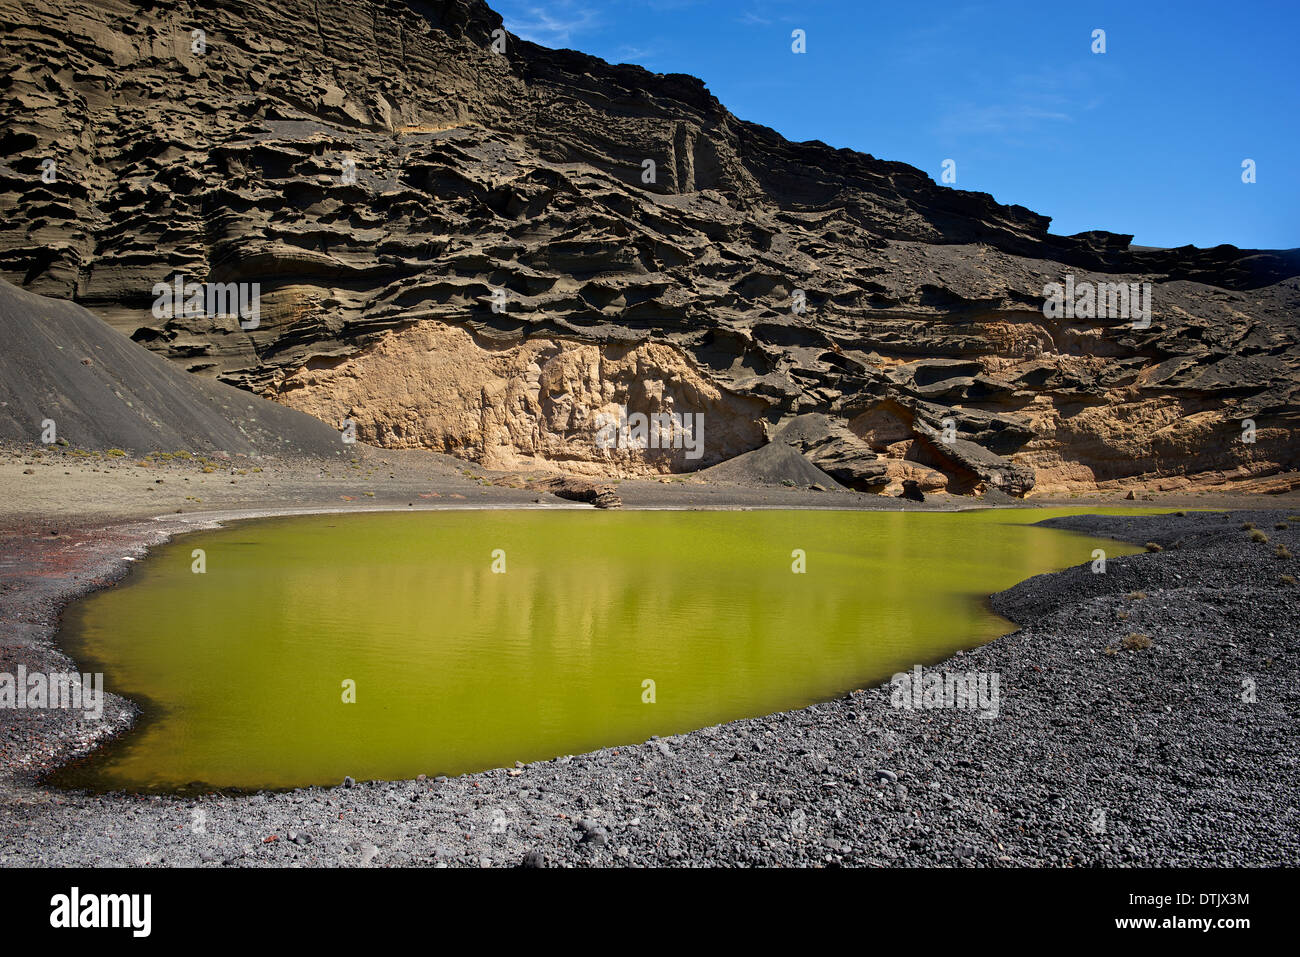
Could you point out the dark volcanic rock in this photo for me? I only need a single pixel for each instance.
(973, 462)
(828, 444)
(774, 464)
(601, 495)
(100, 390)
(453, 244)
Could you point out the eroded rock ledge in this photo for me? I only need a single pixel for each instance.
(515, 179)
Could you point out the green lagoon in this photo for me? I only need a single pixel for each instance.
(242, 670)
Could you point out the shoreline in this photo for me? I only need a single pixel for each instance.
(37, 822)
(65, 739)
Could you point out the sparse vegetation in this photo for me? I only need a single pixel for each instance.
(1136, 595)
(1136, 641)
(1153, 547)
(1257, 536)
(1281, 551)
(1247, 526)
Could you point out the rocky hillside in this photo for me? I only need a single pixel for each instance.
(71, 380)
(482, 250)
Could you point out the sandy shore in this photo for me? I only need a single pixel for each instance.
(38, 487)
(852, 781)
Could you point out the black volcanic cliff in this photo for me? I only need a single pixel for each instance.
(458, 249)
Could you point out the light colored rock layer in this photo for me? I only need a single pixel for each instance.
(520, 405)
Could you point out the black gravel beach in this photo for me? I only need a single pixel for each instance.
(1146, 718)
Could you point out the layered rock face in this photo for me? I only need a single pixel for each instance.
(526, 404)
(466, 242)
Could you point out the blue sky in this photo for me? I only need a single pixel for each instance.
(1147, 138)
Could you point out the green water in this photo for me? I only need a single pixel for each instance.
(457, 668)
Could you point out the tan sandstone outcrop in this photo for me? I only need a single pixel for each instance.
(521, 405)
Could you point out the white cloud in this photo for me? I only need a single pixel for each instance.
(999, 118)
(553, 24)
